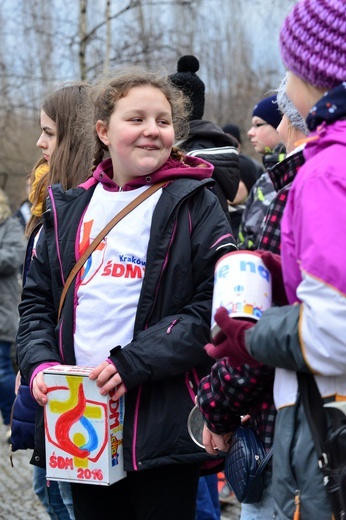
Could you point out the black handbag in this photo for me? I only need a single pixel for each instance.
(245, 463)
(330, 445)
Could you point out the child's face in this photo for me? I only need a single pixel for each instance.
(140, 133)
(47, 139)
(263, 135)
(297, 92)
(302, 94)
(289, 134)
(283, 131)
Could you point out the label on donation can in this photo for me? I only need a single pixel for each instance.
(242, 284)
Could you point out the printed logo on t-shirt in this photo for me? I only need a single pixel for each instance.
(98, 263)
(127, 267)
(96, 259)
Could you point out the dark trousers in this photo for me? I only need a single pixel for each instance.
(167, 493)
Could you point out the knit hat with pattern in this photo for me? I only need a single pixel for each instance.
(287, 108)
(313, 42)
(193, 87)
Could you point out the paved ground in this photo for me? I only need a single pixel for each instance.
(17, 498)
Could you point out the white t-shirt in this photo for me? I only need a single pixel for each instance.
(111, 279)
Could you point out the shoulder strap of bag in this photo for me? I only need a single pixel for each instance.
(81, 261)
(314, 411)
(265, 461)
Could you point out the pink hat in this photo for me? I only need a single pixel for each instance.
(313, 42)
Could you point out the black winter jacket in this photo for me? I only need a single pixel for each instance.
(206, 134)
(163, 364)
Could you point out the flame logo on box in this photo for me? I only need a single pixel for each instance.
(79, 426)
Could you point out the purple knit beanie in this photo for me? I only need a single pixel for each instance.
(313, 42)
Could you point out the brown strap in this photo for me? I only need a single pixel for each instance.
(81, 261)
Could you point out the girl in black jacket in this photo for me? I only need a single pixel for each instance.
(139, 310)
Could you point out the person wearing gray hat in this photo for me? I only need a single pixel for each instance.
(265, 139)
(293, 131)
(293, 126)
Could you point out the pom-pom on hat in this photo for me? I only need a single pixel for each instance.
(313, 42)
(287, 107)
(193, 87)
(268, 110)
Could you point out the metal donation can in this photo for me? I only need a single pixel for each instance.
(242, 284)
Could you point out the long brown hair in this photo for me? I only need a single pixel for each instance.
(71, 108)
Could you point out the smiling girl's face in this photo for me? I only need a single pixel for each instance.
(140, 133)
